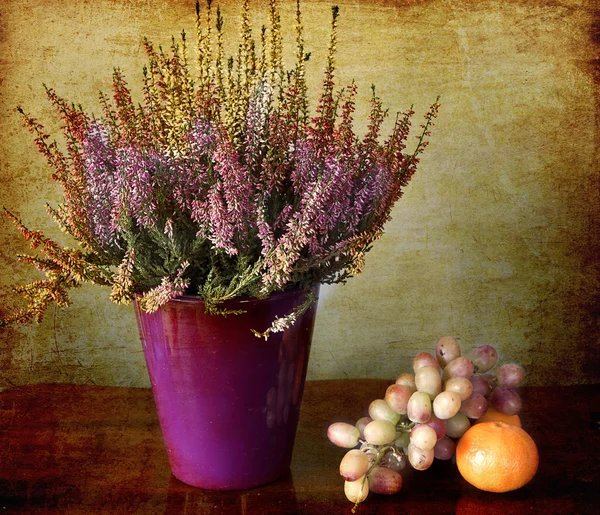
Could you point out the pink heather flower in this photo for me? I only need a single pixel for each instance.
(100, 173)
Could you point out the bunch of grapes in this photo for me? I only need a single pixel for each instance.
(422, 415)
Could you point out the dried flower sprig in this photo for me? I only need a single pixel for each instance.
(219, 183)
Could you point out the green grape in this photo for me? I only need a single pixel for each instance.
(361, 423)
(423, 436)
(354, 465)
(379, 409)
(428, 380)
(402, 440)
(457, 425)
(380, 432)
(418, 408)
(446, 349)
(343, 434)
(407, 379)
(446, 405)
(357, 491)
(420, 459)
(460, 385)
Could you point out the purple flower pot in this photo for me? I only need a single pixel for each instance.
(228, 401)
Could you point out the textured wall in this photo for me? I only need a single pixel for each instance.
(496, 240)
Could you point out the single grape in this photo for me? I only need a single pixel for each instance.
(343, 434)
(354, 464)
(438, 425)
(480, 385)
(420, 459)
(446, 349)
(402, 439)
(446, 405)
(380, 410)
(424, 359)
(357, 491)
(407, 379)
(510, 375)
(460, 385)
(475, 406)
(397, 396)
(384, 481)
(457, 425)
(395, 460)
(418, 408)
(506, 400)
(361, 423)
(380, 432)
(423, 436)
(444, 448)
(484, 358)
(428, 380)
(459, 367)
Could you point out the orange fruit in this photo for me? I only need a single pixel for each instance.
(493, 414)
(497, 457)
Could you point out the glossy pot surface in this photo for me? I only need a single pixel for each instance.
(228, 401)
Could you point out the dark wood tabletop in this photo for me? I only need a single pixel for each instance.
(96, 450)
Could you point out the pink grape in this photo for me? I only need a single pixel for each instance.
(484, 358)
(343, 434)
(459, 367)
(506, 400)
(446, 405)
(361, 423)
(480, 385)
(446, 349)
(438, 425)
(420, 459)
(357, 491)
(510, 375)
(407, 379)
(428, 380)
(354, 464)
(460, 385)
(397, 396)
(444, 449)
(475, 406)
(418, 408)
(424, 359)
(384, 481)
(423, 436)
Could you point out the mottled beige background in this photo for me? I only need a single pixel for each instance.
(496, 240)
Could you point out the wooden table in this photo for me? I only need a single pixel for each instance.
(95, 450)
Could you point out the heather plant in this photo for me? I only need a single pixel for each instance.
(220, 183)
